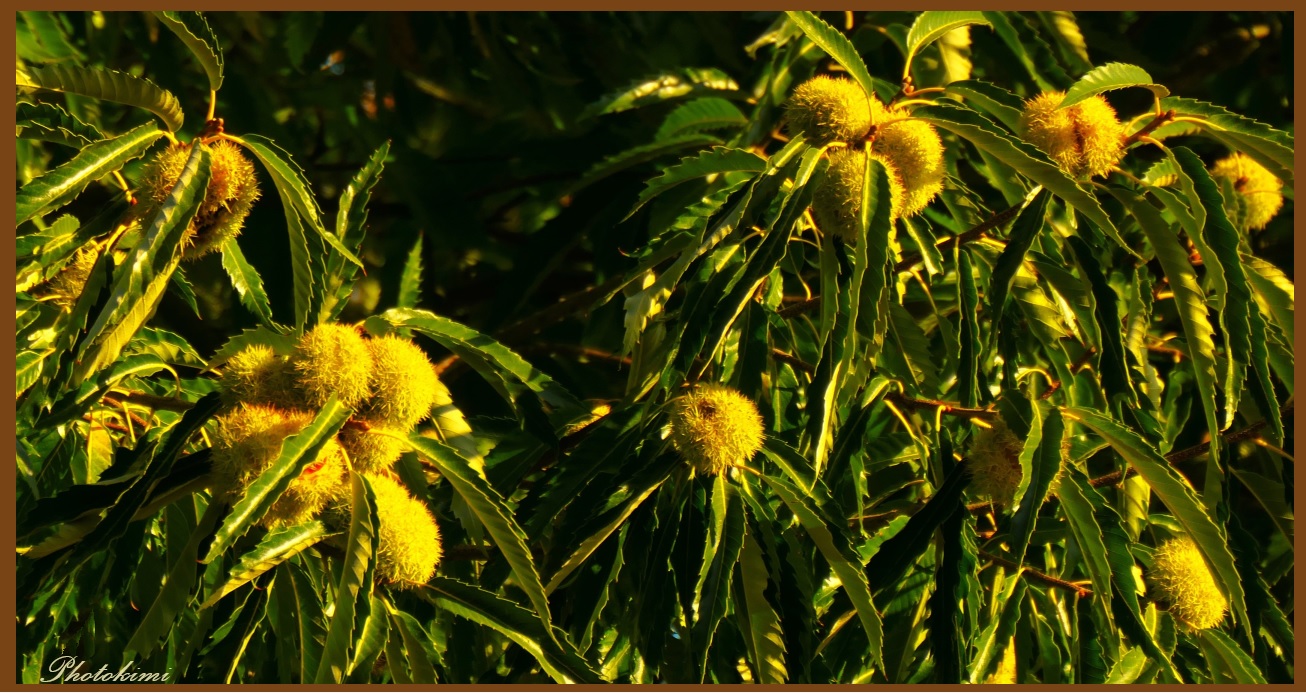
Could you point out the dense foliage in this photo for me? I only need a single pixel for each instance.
(876, 347)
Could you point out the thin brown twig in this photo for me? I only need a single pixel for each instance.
(1160, 120)
(581, 350)
(949, 408)
(136, 419)
(158, 402)
(1055, 385)
(1037, 575)
(1166, 349)
(466, 553)
(799, 308)
(112, 426)
(787, 358)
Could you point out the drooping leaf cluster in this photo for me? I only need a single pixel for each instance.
(581, 221)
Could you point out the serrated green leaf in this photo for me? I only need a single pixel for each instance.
(177, 588)
(194, 31)
(726, 538)
(297, 452)
(991, 99)
(355, 584)
(1111, 76)
(1114, 371)
(717, 160)
(417, 645)
(140, 280)
(1045, 466)
(94, 162)
(1065, 30)
(1129, 668)
(372, 638)
(1022, 157)
(1190, 301)
(662, 87)
(28, 367)
(1229, 663)
(294, 187)
(1030, 50)
(275, 547)
(996, 637)
(898, 554)
(49, 33)
(946, 630)
(849, 571)
(638, 155)
(875, 224)
(1024, 232)
(351, 220)
(261, 335)
(552, 650)
(1275, 292)
(351, 227)
(51, 123)
(836, 45)
(309, 609)
(166, 345)
(1222, 241)
(493, 512)
(1271, 148)
(932, 25)
(108, 85)
(968, 360)
(762, 631)
(1178, 496)
(246, 280)
(707, 113)
(159, 458)
(639, 492)
(410, 280)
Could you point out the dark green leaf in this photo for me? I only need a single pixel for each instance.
(714, 161)
(1105, 78)
(139, 281)
(1190, 301)
(51, 123)
(662, 87)
(297, 452)
(109, 85)
(176, 591)
(931, 25)
(94, 162)
(1229, 663)
(355, 586)
(246, 280)
(194, 31)
(836, 45)
(1023, 234)
(493, 512)
(1178, 496)
(551, 649)
(707, 113)
(849, 571)
(410, 280)
(276, 547)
